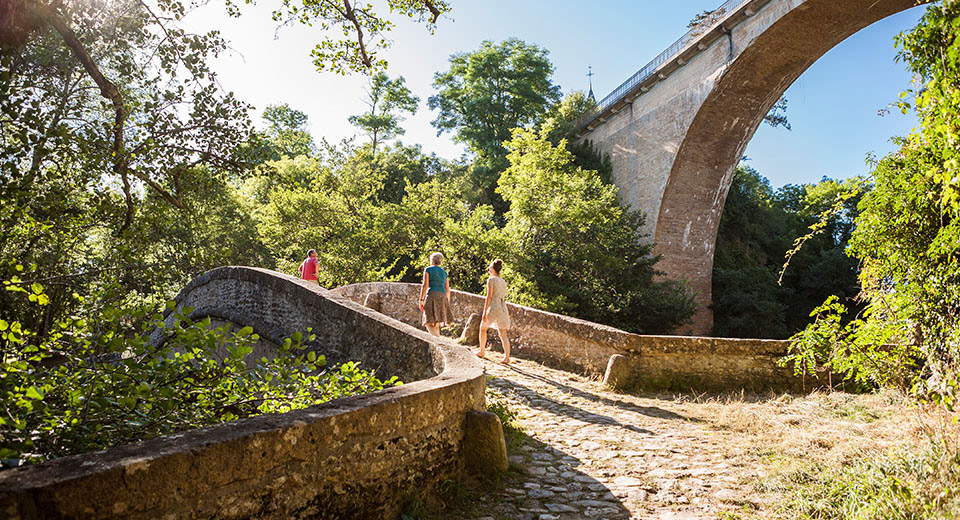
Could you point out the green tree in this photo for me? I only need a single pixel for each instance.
(357, 237)
(287, 134)
(575, 250)
(753, 236)
(384, 97)
(757, 228)
(468, 236)
(136, 106)
(487, 93)
(407, 165)
(99, 125)
(907, 238)
(561, 123)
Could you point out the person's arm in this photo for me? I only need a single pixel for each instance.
(486, 301)
(423, 288)
(446, 285)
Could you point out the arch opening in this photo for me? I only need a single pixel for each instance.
(743, 93)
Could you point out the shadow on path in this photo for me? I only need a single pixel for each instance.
(650, 411)
(542, 402)
(542, 481)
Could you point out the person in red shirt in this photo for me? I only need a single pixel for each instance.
(308, 269)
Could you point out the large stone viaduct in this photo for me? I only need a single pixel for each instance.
(676, 130)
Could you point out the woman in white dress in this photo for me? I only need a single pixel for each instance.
(495, 311)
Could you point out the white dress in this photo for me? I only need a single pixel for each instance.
(497, 312)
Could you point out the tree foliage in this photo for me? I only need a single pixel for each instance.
(560, 124)
(363, 28)
(576, 250)
(485, 95)
(907, 235)
(287, 134)
(384, 97)
(750, 299)
(116, 91)
(777, 116)
(568, 244)
(87, 386)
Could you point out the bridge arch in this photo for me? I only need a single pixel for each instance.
(676, 137)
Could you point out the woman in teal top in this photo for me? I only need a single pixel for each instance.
(435, 296)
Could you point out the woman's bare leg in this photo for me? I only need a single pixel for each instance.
(483, 339)
(434, 329)
(506, 345)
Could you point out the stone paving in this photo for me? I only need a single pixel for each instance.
(587, 452)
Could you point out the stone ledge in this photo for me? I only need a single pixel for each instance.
(657, 362)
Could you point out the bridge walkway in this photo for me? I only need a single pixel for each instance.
(586, 452)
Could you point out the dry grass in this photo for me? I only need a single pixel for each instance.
(839, 455)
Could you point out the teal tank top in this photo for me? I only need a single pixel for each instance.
(438, 278)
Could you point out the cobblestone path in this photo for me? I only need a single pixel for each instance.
(587, 452)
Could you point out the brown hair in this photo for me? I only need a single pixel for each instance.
(497, 265)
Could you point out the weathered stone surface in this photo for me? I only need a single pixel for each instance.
(655, 362)
(619, 373)
(356, 457)
(675, 140)
(484, 448)
(372, 301)
(471, 330)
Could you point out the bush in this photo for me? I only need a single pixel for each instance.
(89, 386)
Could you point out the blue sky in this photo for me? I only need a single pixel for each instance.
(833, 107)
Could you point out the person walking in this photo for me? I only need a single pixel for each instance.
(435, 296)
(495, 311)
(309, 267)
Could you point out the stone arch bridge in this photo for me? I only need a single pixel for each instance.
(676, 130)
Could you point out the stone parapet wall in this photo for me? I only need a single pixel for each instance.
(277, 305)
(658, 362)
(535, 334)
(357, 457)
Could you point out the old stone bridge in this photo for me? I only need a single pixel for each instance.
(676, 130)
(364, 456)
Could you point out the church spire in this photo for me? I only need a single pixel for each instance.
(590, 78)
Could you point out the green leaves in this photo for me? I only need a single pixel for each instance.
(385, 96)
(33, 393)
(485, 95)
(756, 229)
(573, 249)
(364, 30)
(907, 237)
(108, 386)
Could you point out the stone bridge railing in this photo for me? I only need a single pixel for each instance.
(648, 362)
(357, 457)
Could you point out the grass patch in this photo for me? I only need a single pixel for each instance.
(450, 494)
(512, 429)
(882, 461)
(832, 455)
(901, 484)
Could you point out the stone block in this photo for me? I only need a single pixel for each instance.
(372, 301)
(619, 373)
(484, 448)
(471, 330)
